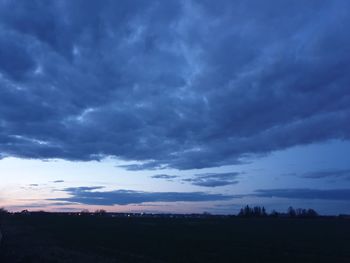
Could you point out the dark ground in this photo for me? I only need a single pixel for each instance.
(63, 238)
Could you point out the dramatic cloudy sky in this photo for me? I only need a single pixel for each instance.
(175, 106)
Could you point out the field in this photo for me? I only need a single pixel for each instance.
(64, 238)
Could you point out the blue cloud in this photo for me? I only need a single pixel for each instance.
(171, 84)
(89, 196)
(164, 176)
(323, 194)
(328, 174)
(58, 181)
(213, 179)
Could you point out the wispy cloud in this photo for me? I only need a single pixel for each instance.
(305, 193)
(164, 176)
(328, 174)
(58, 181)
(213, 179)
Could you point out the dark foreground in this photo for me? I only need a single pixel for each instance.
(63, 238)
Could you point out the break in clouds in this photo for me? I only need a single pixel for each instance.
(179, 84)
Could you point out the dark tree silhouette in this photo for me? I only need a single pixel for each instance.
(3, 211)
(100, 212)
(312, 213)
(274, 213)
(84, 212)
(291, 212)
(306, 213)
(255, 211)
(258, 211)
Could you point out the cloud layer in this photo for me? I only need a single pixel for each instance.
(322, 194)
(91, 196)
(328, 174)
(96, 195)
(213, 179)
(180, 84)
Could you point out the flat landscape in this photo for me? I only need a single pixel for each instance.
(70, 238)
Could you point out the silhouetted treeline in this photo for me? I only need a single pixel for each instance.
(299, 212)
(247, 212)
(3, 211)
(258, 211)
(255, 211)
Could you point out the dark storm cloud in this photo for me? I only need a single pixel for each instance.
(15, 60)
(87, 195)
(329, 194)
(328, 174)
(213, 179)
(179, 84)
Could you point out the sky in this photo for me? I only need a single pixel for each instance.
(175, 106)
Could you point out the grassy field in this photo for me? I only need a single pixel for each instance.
(63, 238)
